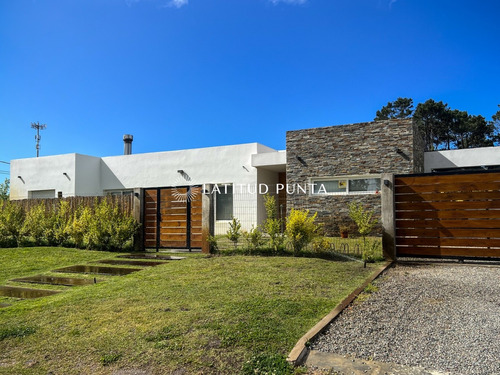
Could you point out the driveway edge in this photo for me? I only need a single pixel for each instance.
(300, 350)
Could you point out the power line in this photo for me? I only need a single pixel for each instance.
(5, 162)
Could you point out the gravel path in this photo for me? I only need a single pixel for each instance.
(439, 316)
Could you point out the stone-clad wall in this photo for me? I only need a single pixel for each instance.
(357, 149)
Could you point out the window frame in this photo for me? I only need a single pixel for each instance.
(221, 187)
(348, 178)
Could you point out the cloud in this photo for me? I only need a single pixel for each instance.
(177, 3)
(391, 2)
(293, 2)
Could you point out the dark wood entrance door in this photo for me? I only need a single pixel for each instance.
(173, 217)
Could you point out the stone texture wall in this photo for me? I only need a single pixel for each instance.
(356, 149)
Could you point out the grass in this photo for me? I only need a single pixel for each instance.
(352, 246)
(201, 315)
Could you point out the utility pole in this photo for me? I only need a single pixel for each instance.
(38, 127)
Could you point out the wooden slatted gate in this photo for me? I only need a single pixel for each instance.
(455, 216)
(173, 217)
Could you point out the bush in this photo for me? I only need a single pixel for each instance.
(365, 222)
(254, 238)
(35, 227)
(234, 231)
(101, 228)
(301, 229)
(107, 229)
(11, 222)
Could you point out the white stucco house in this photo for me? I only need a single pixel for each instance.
(239, 169)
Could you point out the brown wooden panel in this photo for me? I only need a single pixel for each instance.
(439, 179)
(475, 242)
(448, 251)
(466, 223)
(452, 214)
(196, 244)
(449, 187)
(181, 244)
(449, 205)
(447, 232)
(454, 196)
(173, 237)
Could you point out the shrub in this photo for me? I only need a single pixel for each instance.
(301, 229)
(11, 222)
(61, 222)
(107, 229)
(272, 225)
(234, 231)
(254, 238)
(213, 246)
(366, 222)
(35, 227)
(320, 245)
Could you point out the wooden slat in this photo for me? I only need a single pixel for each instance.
(439, 179)
(448, 251)
(173, 237)
(452, 214)
(450, 187)
(181, 244)
(453, 196)
(474, 242)
(447, 232)
(472, 223)
(449, 205)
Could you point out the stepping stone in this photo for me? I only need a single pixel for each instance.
(100, 270)
(16, 292)
(55, 280)
(130, 262)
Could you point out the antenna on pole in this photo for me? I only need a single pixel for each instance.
(38, 127)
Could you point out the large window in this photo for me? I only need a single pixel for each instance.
(346, 185)
(224, 203)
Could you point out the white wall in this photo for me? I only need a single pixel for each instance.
(88, 176)
(470, 157)
(43, 173)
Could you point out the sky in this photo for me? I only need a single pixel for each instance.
(181, 74)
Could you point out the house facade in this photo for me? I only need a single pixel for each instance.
(322, 170)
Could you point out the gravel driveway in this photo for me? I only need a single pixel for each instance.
(442, 316)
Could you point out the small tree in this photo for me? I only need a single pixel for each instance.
(272, 225)
(366, 222)
(301, 229)
(234, 231)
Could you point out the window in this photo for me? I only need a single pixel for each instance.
(118, 193)
(346, 185)
(224, 203)
(41, 194)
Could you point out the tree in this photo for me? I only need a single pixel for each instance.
(4, 190)
(496, 126)
(433, 119)
(444, 128)
(400, 108)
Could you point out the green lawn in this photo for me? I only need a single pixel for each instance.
(199, 315)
